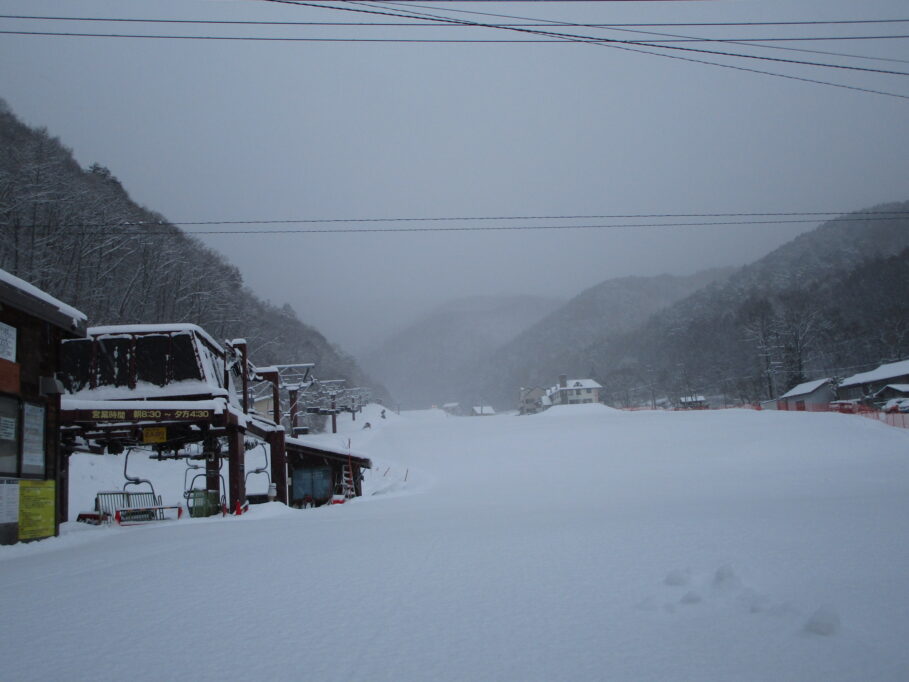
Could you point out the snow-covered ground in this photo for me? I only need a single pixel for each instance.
(582, 544)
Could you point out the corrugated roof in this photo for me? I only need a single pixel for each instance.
(805, 388)
(882, 373)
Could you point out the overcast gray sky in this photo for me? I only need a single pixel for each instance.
(203, 130)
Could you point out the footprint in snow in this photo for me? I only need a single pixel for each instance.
(725, 587)
(825, 622)
(678, 578)
(691, 598)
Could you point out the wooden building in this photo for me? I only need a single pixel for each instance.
(864, 385)
(33, 490)
(320, 474)
(166, 387)
(809, 396)
(172, 389)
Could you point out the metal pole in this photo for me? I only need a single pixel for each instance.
(292, 393)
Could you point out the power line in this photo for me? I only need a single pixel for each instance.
(106, 228)
(582, 39)
(428, 24)
(554, 38)
(647, 43)
(611, 42)
(406, 219)
(276, 39)
(227, 22)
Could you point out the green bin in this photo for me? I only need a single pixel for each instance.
(203, 503)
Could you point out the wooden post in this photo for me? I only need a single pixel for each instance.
(213, 475)
(278, 463)
(236, 467)
(244, 359)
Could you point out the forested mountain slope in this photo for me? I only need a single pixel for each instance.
(827, 303)
(77, 234)
(542, 352)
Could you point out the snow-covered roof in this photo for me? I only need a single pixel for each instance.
(899, 388)
(582, 383)
(692, 399)
(319, 443)
(573, 383)
(882, 373)
(218, 405)
(77, 316)
(150, 391)
(451, 405)
(483, 409)
(152, 328)
(805, 388)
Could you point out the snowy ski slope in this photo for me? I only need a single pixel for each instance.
(579, 544)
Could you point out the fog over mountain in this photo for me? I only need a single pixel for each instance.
(550, 347)
(436, 358)
(744, 334)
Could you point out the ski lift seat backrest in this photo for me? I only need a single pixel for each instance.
(109, 502)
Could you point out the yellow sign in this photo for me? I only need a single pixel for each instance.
(37, 509)
(154, 434)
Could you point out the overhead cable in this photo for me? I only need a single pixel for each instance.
(97, 228)
(594, 41)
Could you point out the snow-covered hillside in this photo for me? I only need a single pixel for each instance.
(583, 545)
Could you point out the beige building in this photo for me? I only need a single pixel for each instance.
(574, 391)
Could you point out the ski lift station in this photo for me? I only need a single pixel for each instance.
(170, 390)
(174, 390)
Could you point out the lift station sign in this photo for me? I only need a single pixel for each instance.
(142, 415)
(154, 434)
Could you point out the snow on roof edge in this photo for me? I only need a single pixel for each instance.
(318, 445)
(804, 388)
(31, 289)
(216, 405)
(150, 328)
(882, 372)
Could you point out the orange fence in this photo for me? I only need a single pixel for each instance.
(892, 418)
(898, 419)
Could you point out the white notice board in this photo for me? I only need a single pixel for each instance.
(33, 438)
(9, 500)
(7, 342)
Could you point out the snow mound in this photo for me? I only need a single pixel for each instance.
(578, 410)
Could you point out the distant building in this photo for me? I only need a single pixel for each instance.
(482, 411)
(864, 385)
(811, 395)
(574, 391)
(453, 409)
(693, 402)
(531, 400)
(892, 397)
